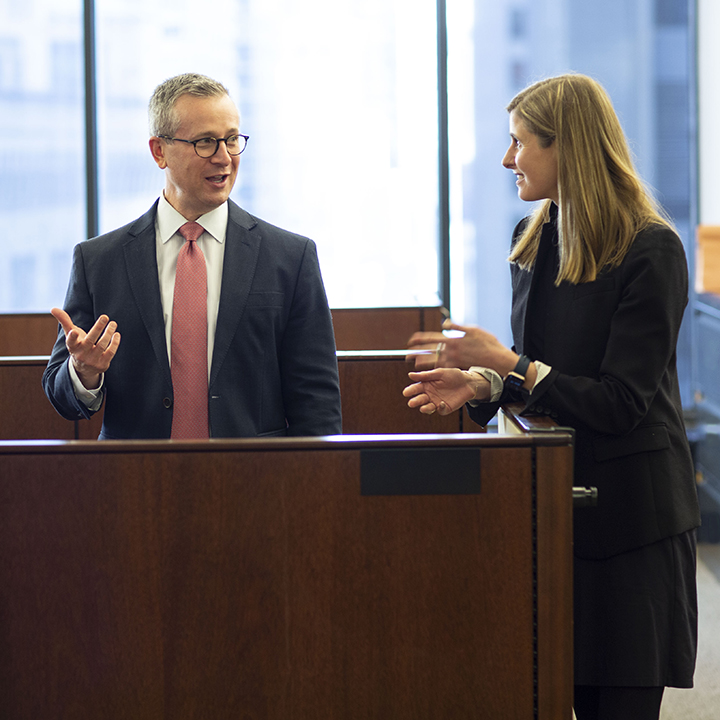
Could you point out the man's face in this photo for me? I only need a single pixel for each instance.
(194, 185)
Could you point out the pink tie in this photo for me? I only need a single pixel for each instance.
(189, 349)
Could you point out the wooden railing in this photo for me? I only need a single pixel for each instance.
(371, 384)
(355, 329)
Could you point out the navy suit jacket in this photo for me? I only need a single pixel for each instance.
(274, 367)
(611, 345)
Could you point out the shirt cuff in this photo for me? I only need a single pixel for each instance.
(543, 371)
(91, 399)
(496, 382)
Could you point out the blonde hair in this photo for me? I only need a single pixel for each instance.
(603, 203)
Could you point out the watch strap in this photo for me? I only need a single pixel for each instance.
(516, 377)
(522, 366)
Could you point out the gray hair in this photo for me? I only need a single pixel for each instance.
(161, 110)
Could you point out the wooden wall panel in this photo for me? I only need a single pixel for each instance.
(382, 328)
(355, 329)
(372, 386)
(27, 334)
(25, 412)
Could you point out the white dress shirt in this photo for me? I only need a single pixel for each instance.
(168, 243)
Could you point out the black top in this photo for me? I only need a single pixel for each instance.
(611, 346)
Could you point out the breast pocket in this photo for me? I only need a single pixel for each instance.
(264, 321)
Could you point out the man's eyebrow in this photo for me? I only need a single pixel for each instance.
(230, 133)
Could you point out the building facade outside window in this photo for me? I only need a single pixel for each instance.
(340, 100)
(640, 51)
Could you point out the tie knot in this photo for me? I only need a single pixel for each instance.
(191, 231)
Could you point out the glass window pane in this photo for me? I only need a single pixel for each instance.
(42, 156)
(340, 101)
(639, 51)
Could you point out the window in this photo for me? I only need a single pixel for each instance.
(340, 102)
(42, 167)
(639, 51)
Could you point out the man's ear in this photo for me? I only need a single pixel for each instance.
(157, 148)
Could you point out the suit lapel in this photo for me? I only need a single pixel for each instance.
(531, 290)
(141, 264)
(242, 248)
(522, 281)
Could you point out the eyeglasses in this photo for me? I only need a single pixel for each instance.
(206, 147)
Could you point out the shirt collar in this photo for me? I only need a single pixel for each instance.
(168, 221)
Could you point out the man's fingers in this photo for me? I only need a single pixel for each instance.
(105, 340)
(97, 330)
(63, 318)
(72, 339)
(102, 338)
(113, 346)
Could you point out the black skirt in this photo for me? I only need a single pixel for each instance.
(636, 616)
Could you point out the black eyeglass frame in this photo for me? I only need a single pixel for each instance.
(217, 143)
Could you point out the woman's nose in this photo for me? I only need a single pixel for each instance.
(508, 160)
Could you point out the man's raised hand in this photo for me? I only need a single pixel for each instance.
(91, 352)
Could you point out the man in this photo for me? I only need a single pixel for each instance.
(267, 365)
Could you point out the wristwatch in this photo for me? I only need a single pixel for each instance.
(515, 378)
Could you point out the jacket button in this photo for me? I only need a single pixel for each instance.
(167, 402)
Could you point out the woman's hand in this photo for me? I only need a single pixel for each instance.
(474, 347)
(424, 349)
(444, 390)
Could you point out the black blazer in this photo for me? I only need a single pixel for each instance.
(274, 367)
(611, 345)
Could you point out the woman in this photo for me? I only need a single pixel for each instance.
(599, 282)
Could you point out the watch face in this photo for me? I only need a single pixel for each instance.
(514, 380)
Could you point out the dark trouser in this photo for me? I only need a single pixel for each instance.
(617, 703)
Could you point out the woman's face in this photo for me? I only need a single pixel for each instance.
(535, 167)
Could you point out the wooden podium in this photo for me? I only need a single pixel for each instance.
(348, 578)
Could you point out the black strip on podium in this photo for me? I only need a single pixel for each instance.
(421, 471)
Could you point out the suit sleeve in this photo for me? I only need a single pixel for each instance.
(636, 353)
(309, 370)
